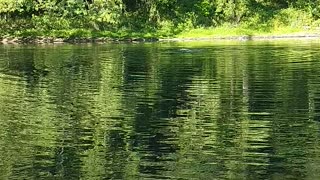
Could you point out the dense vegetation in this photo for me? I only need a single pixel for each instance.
(87, 18)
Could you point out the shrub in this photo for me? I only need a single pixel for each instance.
(291, 17)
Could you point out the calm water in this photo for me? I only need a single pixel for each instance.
(160, 111)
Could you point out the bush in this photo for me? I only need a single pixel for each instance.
(47, 22)
(166, 28)
(291, 17)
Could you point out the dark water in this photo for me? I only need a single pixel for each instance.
(160, 111)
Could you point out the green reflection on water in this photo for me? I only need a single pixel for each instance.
(179, 110)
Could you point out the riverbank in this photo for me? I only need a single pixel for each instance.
(246, 38)
(50, 40)
(246, 34)
(235, 34)
(77, 40)
(76, 21)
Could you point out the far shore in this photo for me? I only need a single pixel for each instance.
(247, 38)
(52, 40)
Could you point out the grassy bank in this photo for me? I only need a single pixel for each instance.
(224, 32)
(87, 35)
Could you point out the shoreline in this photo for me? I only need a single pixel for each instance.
(247, 38)
(79, 40)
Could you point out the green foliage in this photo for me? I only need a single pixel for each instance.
(166, 28)
(233, 10)
(162, 17)
(105, 12)
(47, 22)
(291, 17)
(7, 6)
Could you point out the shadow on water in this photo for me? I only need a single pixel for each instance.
(156, 107)
(25, 67)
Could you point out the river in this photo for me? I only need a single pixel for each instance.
(188, 110)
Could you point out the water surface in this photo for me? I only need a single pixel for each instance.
(248, 110)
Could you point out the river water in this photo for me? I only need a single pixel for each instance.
(210, 110)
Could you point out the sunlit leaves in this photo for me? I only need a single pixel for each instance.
(154, 14)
